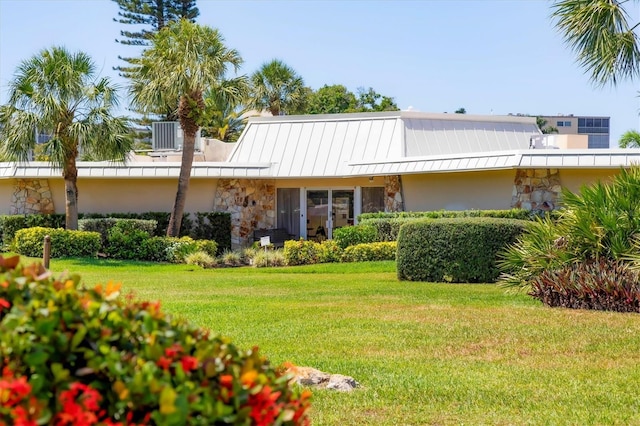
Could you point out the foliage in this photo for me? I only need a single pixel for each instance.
(600, 221)
(231, 258)
(225, 117)
(337, 99)
(387, 229)
(594, 284)
(59, 92)
(214, 226)
(64, 243)
(370, 252)
(599, 33)
(9, 224)
(454, 250)
(301, 252)
(201, 61)
(630, 139)
(200, 258)
(542, 125)
(126, 241)
(72, 355)
(104, 225)
(352, 235)
(266, 258)
(520, 214)
(329, 251)
(277, 88)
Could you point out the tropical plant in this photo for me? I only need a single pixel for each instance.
(601, 221)
(277, 88)
(58, 92)
(184, 61)
(600, 34)
(542, 125)
(630, 139)
(225, 117)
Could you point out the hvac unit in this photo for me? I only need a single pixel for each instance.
(167, 135)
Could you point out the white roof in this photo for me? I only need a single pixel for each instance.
(364, 144)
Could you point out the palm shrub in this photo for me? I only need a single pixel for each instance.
(73, 355)
(601, 221)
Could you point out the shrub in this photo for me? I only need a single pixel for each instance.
(329, 251)
(600, 221)
(600, 285)
(231, 258)
(155, 249)
(200, 258)
(126, 241)
(104, 225)
(370, 252)
(265, 258)
(9, 224)
(352, 235)
(214, 226)
(387, 229)
(29, 242)
(72, 355)
(454, 250)
(179, 248)
(520, 214)
(301, 252)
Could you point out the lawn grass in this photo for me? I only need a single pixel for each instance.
(424, 353)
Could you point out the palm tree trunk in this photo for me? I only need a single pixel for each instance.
(173, 230)
(70, 175)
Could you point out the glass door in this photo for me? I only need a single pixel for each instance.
(328, 209)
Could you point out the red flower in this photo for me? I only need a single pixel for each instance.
(189, 363)
(264, 406)
(4, 304)
(174, 350)
(164, 363)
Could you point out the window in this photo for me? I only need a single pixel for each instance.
(372, 199)
(567, 124)
(560, 123)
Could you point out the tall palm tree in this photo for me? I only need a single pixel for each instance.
(277, 88)
(630, 139)
(183, 61)
(225, 118)
(600, 34)
(58, 92)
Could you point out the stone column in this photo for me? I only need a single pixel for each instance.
(251, 203)
(536, 189)
(31, 196)
(393, 194)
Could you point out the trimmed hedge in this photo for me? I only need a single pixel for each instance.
(520, 214)
(307, 252)
(214, 226)
(352, 235)
(104, 225)
(370, 252)
(29, 242)
(454, 250)
(388, 229)
(9, 224)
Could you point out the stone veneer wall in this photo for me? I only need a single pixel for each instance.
(31, 196)
(251, 203)
(393, 194)
(536, 189)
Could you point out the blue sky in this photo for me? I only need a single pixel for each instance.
(490, 57)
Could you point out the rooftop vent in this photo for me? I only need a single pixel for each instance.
(167, 135)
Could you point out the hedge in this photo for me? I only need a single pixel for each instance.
(9, 224)
(30, 241)
(454, 250)
(352, 235)
(104, 225)
(441, 214)
(370, 252)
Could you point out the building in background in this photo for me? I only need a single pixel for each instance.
(596, 128)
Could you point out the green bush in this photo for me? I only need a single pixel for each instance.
(267, 258)
(156, 249)
(214, 226)
(600, 221)
(329, 251)
(29, 242)
(301, 252)
(454, 250)
(127, 241)
(370, 252)
(520, 214)
(9, 224)
(352, 235)
(104, 225)
(387, 229)
(72, 355)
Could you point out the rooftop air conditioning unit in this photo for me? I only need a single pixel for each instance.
(167, 135)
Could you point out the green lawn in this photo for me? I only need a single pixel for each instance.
(424, 353)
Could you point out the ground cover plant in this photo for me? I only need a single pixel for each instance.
(423, 353)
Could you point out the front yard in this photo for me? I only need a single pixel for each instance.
(423, 353)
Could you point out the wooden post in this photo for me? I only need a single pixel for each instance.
(46, 252)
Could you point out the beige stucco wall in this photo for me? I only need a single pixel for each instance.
(6, 192)
(458, 191)
(574, 179)
(137, 195)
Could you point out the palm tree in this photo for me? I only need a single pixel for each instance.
(542, 125)
(225, 120)
(277, 88)
(58, 92)
(600, 34)
(630, 139)
(184, 61)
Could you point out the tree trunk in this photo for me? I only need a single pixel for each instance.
(173, 230)
(70, 175)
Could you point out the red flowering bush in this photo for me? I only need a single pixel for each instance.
(76, 356)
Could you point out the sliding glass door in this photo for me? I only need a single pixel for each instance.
(328, 209)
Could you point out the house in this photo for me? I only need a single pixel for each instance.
(312, 174)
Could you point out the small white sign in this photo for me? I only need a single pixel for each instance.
(265, 241)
